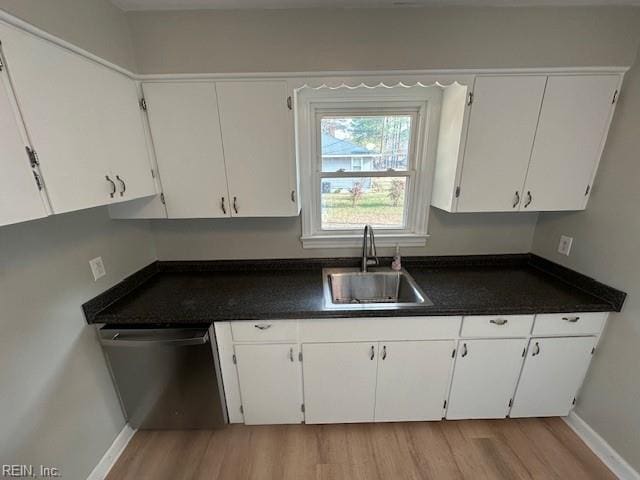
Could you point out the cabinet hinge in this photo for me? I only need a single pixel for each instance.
(457, 192)
(453, 354)
(235, 360)
(445, 404)
(33, 157)
(143, 104)
(162, 199)
(510, 402)
(289, 104)
(299, 356)
(615, 97)
(38, 179)
(302, 408)
(586, 192)
(470, 98)
(241, 410)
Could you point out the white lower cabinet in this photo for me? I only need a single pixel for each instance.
(339, 381)
(552, 374)
(485, 377)
(412, 380)
(270, 383)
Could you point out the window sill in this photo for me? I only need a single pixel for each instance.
(382, 240)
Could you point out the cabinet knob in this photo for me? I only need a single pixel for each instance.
(235, 204)
(222, 206)
(464, 350)
(498, 321)
(263, 326)
(291, 354)
(123, 186)
(114, 189)
(571, 319)
(384, 352)
(536, 350)
(529, 200)
(517, 199)
(373, 353)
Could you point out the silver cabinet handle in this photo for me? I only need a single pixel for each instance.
(122, 185)
(263, 326)
(114, 189)
(384, 352)
(464, 350)
(373, 353)
(291, 354)
(222, 206)
(235, 204)
(529, 200)
(498, 321)
(517, 200)
(571, 319)
(536, 350)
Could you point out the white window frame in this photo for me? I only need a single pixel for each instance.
(423, 103)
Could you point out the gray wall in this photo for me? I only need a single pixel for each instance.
(312, 40)
(95, 25)
(606, 246)
(57, 402)
(451, 234)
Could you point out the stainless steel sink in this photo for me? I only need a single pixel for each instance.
(379, 288)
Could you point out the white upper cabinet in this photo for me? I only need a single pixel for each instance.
(552, 374)
(185, 127)
(257, 134)
(530, 143)
(83, 120)
(502, 126)
(573, 125)
(20, 197)
(485, 377)
(412, 380)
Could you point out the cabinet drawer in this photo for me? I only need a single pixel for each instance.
(497, 326)
(264, 331)
(569, 323)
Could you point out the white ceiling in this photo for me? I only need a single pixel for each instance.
(269, 4)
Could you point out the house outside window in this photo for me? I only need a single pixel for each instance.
(366, 157)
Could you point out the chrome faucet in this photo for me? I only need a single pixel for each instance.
(369, 256)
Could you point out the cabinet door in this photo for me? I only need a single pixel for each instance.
(57, 90)
(412, 380)
(20, 198)
(185, 127)
(122, 125)
(484, 378)
(270, 383)
(552, 374)
(574, 120)
(339, 382)
(257, 133)
(502, 126)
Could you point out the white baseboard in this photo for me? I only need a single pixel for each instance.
(112, 454)
(601, 448)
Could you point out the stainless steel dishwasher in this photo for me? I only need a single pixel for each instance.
(167, 378)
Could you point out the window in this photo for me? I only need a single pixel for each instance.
(366, 158)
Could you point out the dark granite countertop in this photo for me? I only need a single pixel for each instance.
(202, 292)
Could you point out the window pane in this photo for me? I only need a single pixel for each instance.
(378, 142)
(349, 203)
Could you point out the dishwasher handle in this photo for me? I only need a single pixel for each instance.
(119, 340)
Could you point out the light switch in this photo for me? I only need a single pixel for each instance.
(564, 247)
(97, 268)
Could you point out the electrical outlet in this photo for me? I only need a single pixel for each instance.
(564, 247)
(97, 268)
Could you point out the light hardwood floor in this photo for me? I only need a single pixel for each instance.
(469, 449)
